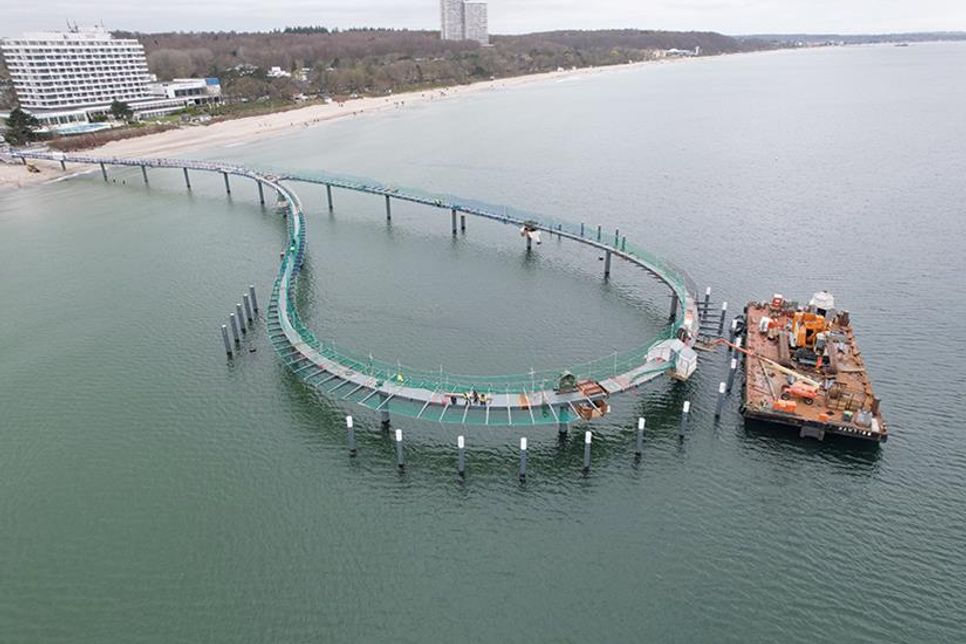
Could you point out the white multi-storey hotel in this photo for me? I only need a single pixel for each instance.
(461, 20)
(67, 76)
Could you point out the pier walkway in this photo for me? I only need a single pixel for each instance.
(533, 398)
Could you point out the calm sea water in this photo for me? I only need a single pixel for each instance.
(150, 493)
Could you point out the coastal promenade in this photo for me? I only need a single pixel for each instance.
(556, 397)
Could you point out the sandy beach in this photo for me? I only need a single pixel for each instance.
(225, 133)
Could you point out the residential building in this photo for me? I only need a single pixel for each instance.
(463, 20)
(474, 22)
(67, 77)
(451, 19)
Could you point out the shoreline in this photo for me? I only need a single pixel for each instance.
(240, 131)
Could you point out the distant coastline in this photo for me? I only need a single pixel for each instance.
(246, 129)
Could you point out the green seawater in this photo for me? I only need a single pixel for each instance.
(151, 492)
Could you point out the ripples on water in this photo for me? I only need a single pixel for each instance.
(152, 493)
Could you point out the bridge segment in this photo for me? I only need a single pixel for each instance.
(532, 398)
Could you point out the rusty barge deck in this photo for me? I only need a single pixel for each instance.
(803, 369)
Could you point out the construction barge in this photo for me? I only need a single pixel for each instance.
(804, 369)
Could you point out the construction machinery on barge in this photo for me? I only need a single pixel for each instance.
(803, 369)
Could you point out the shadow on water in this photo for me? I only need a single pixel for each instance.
(835, 449)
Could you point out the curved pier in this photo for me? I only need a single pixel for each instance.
(533, 398)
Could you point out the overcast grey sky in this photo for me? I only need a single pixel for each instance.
(506, 16)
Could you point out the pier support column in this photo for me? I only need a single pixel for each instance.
(721, 399)
(235, 333)
(23, 160)
(673, 315)
(224, 338)
(607, 265)
(617, 237)
(384, 412)
(581, 229)
(241, 318)
(400, 455)
(523, 459)
(328, 194)
(63, 166)
(731, 375)
(563, 421)
(144, 173)
(529, 244)
(227, 185)
(104, 172)
(187, 181)
(721, 321)
(598, 232)
(388, 209)
(461, 456)
(453, 217)
(261, 192)
(685, 412)
(352, 435)
(463, 223)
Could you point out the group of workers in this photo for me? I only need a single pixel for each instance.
(471, 397)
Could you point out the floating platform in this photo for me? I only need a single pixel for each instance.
(803, 369)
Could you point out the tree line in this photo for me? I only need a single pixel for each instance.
(340, 63)
(376, 61)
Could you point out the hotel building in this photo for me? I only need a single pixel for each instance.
(69, 76)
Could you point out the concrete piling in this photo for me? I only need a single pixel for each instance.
(187, 181)
(588, 437)
(617, 237)
(384, 412)
(624, 243)
(598, 232)
(103, 171)
(233, 323)
(607, 265)
(724, 313)
(453, 217)
(261, 192)
(460, 456)
(463, 223)
(251, 294)
(248, 308)
(529, 244)
(581, 229)
(400, 456)
(732, 333)
(639, 447)
(240, 318)
(224, 337)
(388, 209)
(731, 375)
(328, 194)
(721, 398)
(144, 173)
(63, 165)
(227, 185)
(352, 435)
(685, 412)
(523, 459)
(707, 302)
(563, 421)
(674, 308)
